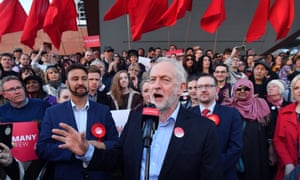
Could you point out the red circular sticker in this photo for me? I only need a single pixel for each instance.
(215, 118)
(98, 130)
(179, 132)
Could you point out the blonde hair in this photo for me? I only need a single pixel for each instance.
(46, 73)
(134, 66)
(293, 83)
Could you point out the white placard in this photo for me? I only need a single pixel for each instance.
(120, 117)
(146, 62)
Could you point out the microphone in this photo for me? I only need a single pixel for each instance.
(149, 124)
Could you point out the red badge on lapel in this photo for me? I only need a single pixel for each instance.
(215, 118)
(179, 132)
(98, 130)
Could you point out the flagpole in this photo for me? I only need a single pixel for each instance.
(169, 39)
(187, 30)
(39, 36)
(128, 31)
(215, 43)
(81, 33)
(63, 46)
(61, 41)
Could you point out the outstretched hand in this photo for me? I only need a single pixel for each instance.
(71, 139)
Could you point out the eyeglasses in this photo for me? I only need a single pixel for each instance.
(10, 90)
(206, 86)
(243, 89)
(189, 59)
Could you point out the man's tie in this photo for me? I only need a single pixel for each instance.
(205, 112)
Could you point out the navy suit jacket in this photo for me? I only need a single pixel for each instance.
(230, 137)
(67, 166)
(194, 156)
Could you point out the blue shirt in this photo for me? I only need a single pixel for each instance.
(80, 116)
(159, 146)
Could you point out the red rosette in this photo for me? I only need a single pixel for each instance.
(215, 118)
(98, 130)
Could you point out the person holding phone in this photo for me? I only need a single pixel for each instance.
(9, 166)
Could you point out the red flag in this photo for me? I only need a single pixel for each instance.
(258, 24)
(12, 17)
(117, 10)
(282, 17)
(34, 21)
(61, 16)
(175, 11)
(189, 4)
(213, 16)
(143, 17)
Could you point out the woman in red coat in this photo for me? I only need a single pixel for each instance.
(287, 133)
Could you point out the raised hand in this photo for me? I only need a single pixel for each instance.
(71, 139)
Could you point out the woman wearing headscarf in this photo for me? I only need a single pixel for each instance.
(287, 132)
(255, 115)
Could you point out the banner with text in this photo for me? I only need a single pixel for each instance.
(91, 41)
(24, 140)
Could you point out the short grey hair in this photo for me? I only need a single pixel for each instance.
(8, 78)
(97, 61)
(279, 83)
(179, 69)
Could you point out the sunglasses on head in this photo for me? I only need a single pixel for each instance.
(243, 89)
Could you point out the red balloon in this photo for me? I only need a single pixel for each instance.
(98, 130)
(215, 118)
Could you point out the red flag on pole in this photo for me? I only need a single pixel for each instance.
(213, 16)
(117, 10)
(143, 17)
(282, 17)
(61, 16)
(175, 11)
(258, 24)
(12, 17)
(34, 21)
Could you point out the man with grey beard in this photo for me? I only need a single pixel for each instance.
(184, 146)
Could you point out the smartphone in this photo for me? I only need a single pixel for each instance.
(240, 48)
(6, 134)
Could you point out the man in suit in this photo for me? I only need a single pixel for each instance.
(83, 115)
(184, 146)
(227, 121)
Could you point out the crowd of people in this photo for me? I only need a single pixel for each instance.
(222, 115)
